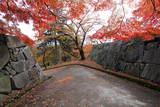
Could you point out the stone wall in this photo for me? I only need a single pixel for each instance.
(17, 65)
(135, 57)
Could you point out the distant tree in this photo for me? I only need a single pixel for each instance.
(43, 48)
(64, 41)
(76, 29)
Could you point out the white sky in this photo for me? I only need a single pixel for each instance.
(27, 29)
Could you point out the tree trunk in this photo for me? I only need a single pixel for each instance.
(81, 53)
(44, 55)
(55, 43)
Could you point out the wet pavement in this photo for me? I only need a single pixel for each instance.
(77, 86)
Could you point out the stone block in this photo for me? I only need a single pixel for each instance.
(133, 69)
(120, 66)
(152, 56)
(29, 64)
(20, 56)
(38, 67)
(4, 72)
(27, 52)
(20, 80)
(14, 42)
(10, 70)
(112, 55)
(4, 55)
(133, 51)
(36, 72)
(5, 84)
(19, 66)
(151, 72)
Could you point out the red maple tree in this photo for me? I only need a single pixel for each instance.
(41, 12)
(145, 22)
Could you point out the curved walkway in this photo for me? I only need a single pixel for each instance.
(77, 86)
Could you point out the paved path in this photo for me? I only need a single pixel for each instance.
(76, 86)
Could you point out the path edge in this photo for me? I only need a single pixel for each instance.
(139, 81)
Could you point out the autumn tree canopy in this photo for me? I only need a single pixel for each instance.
(144, 22)
(41, 12)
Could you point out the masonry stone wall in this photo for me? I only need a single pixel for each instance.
(136, 57)
(17, 65)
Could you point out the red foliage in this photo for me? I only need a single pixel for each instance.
(102, 4)
(44, 12)
(41, 12)
(147, 26)
(27, 40)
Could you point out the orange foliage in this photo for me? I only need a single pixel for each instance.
(39, 59)
(87, 49)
